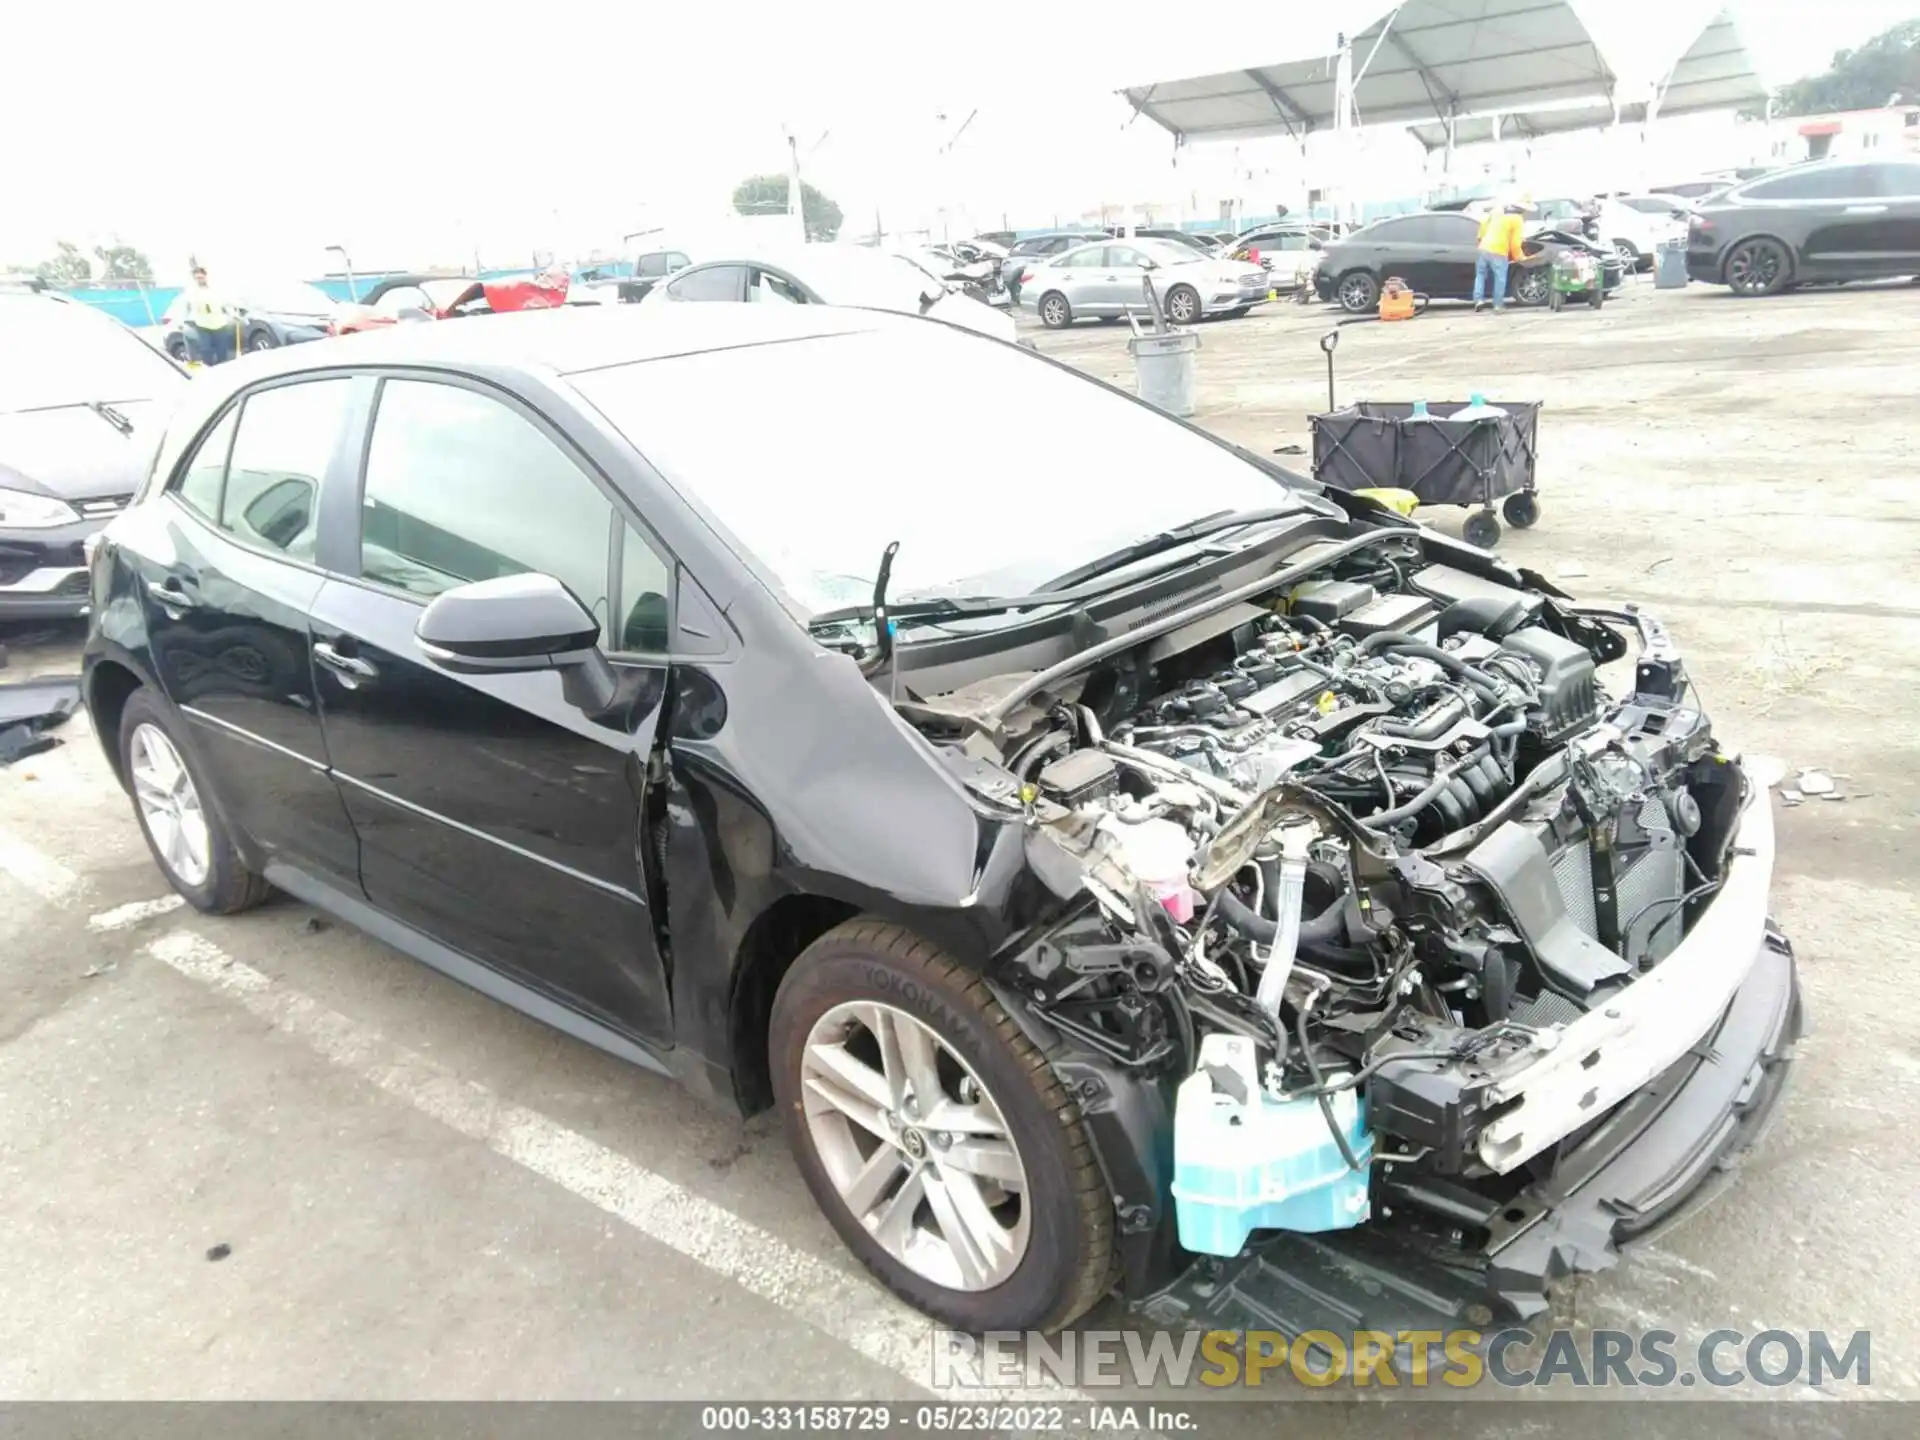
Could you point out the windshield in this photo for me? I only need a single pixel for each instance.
(55, 353)
(1165, 252)
(855, 441)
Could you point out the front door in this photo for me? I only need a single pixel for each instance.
(1456, 250)
(493, 815)
(226, 612)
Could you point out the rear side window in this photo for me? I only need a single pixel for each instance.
(257, 473)
(1838, 182)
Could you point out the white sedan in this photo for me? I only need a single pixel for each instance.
(1108, 279)
(833, 275)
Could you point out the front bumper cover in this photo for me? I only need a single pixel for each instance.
(1665, 1149)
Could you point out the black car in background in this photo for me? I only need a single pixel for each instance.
(1831, 220)
(79, 397)
(1024, 252)
(1435, 252)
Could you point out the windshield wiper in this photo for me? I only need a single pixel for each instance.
(112, 416)
(1215, 523)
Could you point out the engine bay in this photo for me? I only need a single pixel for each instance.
(1343, 858)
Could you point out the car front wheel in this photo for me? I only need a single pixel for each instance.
(935, 1136)
(1532, 285)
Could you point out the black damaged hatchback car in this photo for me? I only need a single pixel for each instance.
(1097, 877)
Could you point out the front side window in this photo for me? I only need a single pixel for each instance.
(257, 473)
(715, 282)
(1091, 258)
(459, 487)
(769, 288)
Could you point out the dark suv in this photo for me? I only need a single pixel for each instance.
(1826, 221)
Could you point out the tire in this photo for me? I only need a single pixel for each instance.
(1629, 257)
(1481, 529)
(1183, 305)
(261, 340)
(1599, 295)
(1758, 267)
(1055, 312)
(1063, 1261)
(224, 885)
(1556, 300)
(1357, 292)
(1532, 286)
(177, 348)
(1522, 509)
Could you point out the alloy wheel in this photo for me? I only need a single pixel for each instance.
(1754, 269)
(1531, 288)
(1356, 293)
(915, 1145)
(1181, 307)
(1053, 310)
(1629, 257)
(170, 806)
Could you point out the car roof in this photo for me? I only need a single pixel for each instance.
(567, 340)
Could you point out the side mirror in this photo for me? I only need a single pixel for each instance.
(519, 623)
(1147, 263)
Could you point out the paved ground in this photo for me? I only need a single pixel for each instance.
(418, 1194)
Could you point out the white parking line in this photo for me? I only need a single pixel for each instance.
(846, 1307)
(124, 917)
(43, 875)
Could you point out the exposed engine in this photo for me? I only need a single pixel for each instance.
(1346, 862)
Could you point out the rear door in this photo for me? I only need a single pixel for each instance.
(1898, 184)
(493, 816)
(1082, 276)
(1831, 215)
(227, 590)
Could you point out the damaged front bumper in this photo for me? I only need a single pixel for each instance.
(1665, 1148)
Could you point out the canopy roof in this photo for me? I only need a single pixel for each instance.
(1419, 63)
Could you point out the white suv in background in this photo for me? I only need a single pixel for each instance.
(1632, 226)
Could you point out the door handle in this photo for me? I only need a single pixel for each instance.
(174, 598)
(1866, 210)
(353, 672)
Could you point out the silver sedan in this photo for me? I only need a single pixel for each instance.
(1107, 279)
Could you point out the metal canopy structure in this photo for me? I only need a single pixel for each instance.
(1421, 61)
(1715, 73)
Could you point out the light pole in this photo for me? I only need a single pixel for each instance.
(346, 264)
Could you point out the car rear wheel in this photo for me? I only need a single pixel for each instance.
(1532, 285)
(188, 839)
(1357, 292)
(1183, 305)
(1629, 257)
(935, 1136)
(1055, 312)
(1758, 267)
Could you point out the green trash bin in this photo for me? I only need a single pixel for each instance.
(1163, 369)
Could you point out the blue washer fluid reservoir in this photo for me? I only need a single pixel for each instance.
(1243, 1161)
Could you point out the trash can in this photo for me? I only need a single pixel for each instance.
(1670, 265)
(1163, 369)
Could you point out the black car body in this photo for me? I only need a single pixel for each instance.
(1024, 252)
(1435, 252)
(1831, 220)
(761, 786)
(80, 398)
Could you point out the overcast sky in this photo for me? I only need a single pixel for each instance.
(418, 131)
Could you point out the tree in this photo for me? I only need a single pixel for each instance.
(123, 265)
(68, 267)
(1863, 79)
(767, 195)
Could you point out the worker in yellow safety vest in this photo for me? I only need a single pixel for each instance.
(1502, 237)
(209, 322)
